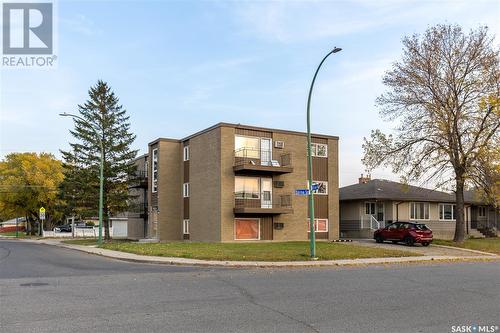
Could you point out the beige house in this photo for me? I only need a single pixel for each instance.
(233, 182)
(370, 204)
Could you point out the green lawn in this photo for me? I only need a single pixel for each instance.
(285, 251)
(22, 234)
(491, 245)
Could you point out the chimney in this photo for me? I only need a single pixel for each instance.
(363, 179)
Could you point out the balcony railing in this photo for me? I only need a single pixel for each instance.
(262, 203)
(262, 160)
(138, 208)
(139, 179)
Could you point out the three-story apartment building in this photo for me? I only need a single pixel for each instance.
(237, 183)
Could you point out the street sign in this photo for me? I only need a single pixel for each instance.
(315, 186)
(302, 192)
(42, 213)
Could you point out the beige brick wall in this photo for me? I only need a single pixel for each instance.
(205, 183)
(333, 189)
(169, 191)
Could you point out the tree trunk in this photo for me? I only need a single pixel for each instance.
(459, 211)
(105, 218)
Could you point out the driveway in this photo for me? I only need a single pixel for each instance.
(431, 250)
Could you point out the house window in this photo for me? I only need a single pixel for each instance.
(419, 211)
(322, 187)
(320, 225)
(185, 227)
(186, 153)
(319, 150)
(185, 190)
(247, 187)
(247, 146)
(447, 212)
(481, 211)
(370, 208)
(247, 229)
(154, 171)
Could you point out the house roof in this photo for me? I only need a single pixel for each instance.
(381, 189)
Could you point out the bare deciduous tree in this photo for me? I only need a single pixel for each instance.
(444, 94)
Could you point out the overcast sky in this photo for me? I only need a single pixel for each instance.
(179, 67)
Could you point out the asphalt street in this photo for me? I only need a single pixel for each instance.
(49, 289)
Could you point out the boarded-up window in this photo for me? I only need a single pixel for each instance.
(246, 229)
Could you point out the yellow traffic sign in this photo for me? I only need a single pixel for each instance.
(42, 210)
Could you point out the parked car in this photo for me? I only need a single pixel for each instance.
(63, 228)
(407, 232)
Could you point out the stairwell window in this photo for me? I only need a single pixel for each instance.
(447, 212)
(185, 227)
(154, 171)
(319, 150)
(185, 190)
(186, 153)
(419, 211)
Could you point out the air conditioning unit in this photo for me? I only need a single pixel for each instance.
(279, 184)
(279, 144)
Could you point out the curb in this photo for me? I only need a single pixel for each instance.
(467, 250)
(259, 264)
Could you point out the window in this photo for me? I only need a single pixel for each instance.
(185, 227)
(419, 211)
(154, 171)
(370, 208)
(481, 212)
(186, 153)
(247, 187)
(447, 212)
(322, 187)
(319, 149)
(247, 146)
(320, 225)
(185, 190)
(247, 229)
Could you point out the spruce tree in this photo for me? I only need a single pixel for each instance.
(80, 189)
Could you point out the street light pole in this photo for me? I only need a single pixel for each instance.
(312, 235)
(101, 173)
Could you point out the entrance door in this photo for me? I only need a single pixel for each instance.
(380, 212)
(266, 151)
(266, 195)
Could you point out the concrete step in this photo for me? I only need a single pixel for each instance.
(148, 240)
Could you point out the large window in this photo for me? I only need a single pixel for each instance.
(247, 229)
(247, 146)
(154, 171)
(319, 150)
(447, 212)
(247, 187)
(320, 225)
(419, 211)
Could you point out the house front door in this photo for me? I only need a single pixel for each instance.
(266, 151)
(380, 212)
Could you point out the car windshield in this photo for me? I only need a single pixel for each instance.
(421, 227)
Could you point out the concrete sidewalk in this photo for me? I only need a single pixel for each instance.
(197, 262)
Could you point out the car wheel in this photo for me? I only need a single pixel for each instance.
(379, 239)
(409, 241)
(425, 243)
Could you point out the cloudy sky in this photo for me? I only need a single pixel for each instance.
(179, 67)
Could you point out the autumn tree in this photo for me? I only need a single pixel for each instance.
(443, 96)
(103, 119)
(29, 181)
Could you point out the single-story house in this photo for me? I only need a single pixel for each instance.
(374, 203)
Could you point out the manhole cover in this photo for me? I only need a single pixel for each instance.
(33, 284)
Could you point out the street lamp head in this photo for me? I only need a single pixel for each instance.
(336, 49)
(64, 114)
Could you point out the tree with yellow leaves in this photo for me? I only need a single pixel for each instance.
(29, 181)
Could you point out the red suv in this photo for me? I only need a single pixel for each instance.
(407, 232)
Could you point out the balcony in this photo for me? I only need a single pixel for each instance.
(138, 208)
(258, 161)
(246, 203)
(139, 179)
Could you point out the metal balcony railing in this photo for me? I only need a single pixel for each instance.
(262, 200)
(259, 157)
(139, 179)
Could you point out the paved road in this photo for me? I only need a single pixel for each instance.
(49, 289)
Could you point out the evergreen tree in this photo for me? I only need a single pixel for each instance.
(80, 188)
